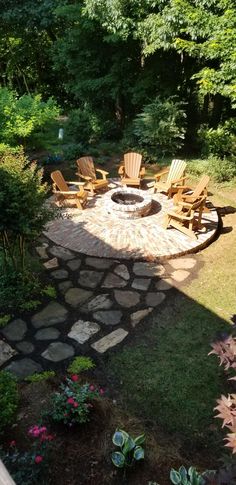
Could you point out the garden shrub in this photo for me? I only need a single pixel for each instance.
(220, 141)
(161, 125)
(80, 364)
(8, 398)
(73, 403)
(219, 170)
(40, 376)
(73, 151)
(84, 125)
(4, 319)
(17, 290)
(21, 116)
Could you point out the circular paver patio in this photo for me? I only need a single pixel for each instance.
(96, 232)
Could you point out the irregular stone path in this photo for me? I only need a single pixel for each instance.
(100, 302)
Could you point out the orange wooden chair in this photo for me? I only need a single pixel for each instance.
(130, 169)
(87, 172)
(63, 193)
(200, 189)
(175, 176)
(186, 217)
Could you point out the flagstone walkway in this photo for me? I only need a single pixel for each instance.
(100, 302)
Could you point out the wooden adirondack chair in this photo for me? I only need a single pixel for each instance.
(174, 178)
(130, 169)
(183, 217)
(63, 193)
(87, 172)
(200, 189)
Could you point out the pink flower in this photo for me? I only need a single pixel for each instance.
(34, 431)
(101, 391)
(38, 459)
(43, 429)
(70, 400)
(74, 378)
(12, 443)
(76, 404)
(91, 387)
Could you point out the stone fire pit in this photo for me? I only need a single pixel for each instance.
(128, 203)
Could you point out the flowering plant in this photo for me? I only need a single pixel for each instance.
(73, 403)
(27, 467)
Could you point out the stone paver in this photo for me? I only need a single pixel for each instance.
(110, 340)
(141, 283)
(47, 334)
(148, 269)
(100, 302)
(60, 274)
(77, 296)
(41, 250)
(15, 330)
(136, 317)
(82, 330)
(114, 281)
(126, 298)
(122, 271)
(24, 367)
(6, 352)
(164, 285)
(180, 275)
(25, 347)
(74, 264)
(91, 279)
(64, 286)
(62, 253)
(52, 314)
(182, 263)
(51, 264)
(99, 263)
(58, 351)
(154, 299)
(110, 317)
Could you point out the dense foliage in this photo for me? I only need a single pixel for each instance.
(8, 399)
(157, 75)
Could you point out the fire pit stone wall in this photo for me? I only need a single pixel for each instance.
(138, 207)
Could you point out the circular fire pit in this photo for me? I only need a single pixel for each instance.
(128, 203)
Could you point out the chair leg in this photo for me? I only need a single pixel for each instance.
(166, 221)
(78, 203)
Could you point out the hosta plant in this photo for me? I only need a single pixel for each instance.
(186, 477)
(73, 403)
(130, 449)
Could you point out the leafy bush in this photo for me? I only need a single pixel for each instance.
(23, 212)
(73, 151)
(49, 291)
(130, 449)
(84, 125)
(161, 125)
(21, 116)
(184, 477)
(221, 141)
(4, 319)
(73, 404)
(29, 467)
(220, 170)
(17, 290)
(8, 398)
(40, 376)
(80, 364)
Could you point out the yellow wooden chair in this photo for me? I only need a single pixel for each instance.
(130, 169)
(174, 178)
(63, 193)
(200, 189)
(87, 172)
(186, 217)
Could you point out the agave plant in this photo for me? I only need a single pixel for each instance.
(130, 449)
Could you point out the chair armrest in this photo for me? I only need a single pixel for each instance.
(159, 174)
(81, 184)
(182, 179)
(142, 172)
(85, 177)
(66, 192)
(121, 170)
(185, 204)
(103, 172)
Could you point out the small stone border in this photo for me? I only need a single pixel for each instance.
(131, 211)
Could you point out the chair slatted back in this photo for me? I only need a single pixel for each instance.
(177, 169)
(86, 167)
(59, 180)
(132, 162)
(201, 186)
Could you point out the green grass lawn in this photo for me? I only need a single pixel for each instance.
(165, 374)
